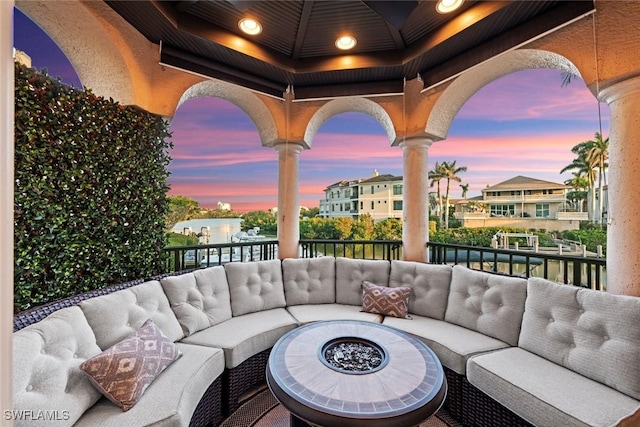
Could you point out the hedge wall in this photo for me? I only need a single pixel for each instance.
(90, 190)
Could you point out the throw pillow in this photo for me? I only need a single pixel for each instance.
(124, 371)
(383, 300)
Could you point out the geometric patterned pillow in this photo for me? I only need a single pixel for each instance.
(124, 371)
(384, 300)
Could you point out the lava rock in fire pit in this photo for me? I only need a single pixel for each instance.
(353, 356)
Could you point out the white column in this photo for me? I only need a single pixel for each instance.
(623, 231)
(288, 203)
(415, 198)
(6, 207)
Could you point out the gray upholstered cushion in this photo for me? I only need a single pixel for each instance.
(546, 394)
(244, 336)
(306, 313)
(46, 367)
(350, 273)
(255, 286)
(453, 344)
(199, 299)
(489, 303)
(118, 315)
(429, 284)
(309, 280)
(590, 332)
(171, 399)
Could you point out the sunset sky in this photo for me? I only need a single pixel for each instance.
(522, 124)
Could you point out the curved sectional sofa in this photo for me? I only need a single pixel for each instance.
(515, 351)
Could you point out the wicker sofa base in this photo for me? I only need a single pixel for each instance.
(209, 411)
(243, 378)
(481, 410)
(454, 403)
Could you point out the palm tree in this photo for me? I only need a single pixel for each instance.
(450, 173)
(580, 185)
(435, 176)
(465, 190)
(591, 161)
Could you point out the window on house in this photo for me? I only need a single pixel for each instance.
(397, 189)
(542, 210)
(361, 205)
(372, 190)
(361, 190)
(372, 205)
(503, 210)
(397, 205)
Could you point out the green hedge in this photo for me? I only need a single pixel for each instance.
(90, 190)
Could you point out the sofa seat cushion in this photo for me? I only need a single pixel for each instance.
(116, 316)
(46, 367)
(453, 344)
(244, 336)
(309, 280)
(315, 312)
(171, 399)
(199, 299)
(546, 394)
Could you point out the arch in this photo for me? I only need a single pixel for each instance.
(87, 44)
(244, 99)
(463, 87)
(343, 105)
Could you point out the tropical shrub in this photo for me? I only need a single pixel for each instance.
(90, 190)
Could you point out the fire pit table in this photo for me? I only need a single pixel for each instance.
(353, 373)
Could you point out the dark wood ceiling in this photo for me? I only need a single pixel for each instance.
(395, 39)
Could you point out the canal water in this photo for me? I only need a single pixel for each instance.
(220, 230)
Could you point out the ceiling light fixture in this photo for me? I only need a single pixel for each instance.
(345, 42)
(447, 6)
(250, 26)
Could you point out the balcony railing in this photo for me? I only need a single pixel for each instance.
(589, 272)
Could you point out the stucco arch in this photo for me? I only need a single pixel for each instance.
(244, 99)
(343, 105)
(463, 87)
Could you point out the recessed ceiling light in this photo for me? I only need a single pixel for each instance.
(447, 6)
(345, 42)
(250, 26)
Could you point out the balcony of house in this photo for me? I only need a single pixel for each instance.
(527, 198)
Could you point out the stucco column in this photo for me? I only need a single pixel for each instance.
(288, 202)
(6, 207)
(623, 230)
(415, 198)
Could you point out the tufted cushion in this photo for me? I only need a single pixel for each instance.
(46, 374)
(309, 280)
(488, 303)
(199, 299)
(429, 285)
(350, 273)
(116, 316)
(255, 286)
(593, 333)
(124, 371)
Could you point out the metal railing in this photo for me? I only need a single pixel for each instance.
(589, 272)
(178, 258)
(358, 249)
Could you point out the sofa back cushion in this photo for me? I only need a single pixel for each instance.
(309, 280)
(255, 286)
(593, 333)
(429, 285)
(199, 299)
(488, 303)
(350, 273)
(46, 367)
(116, 316)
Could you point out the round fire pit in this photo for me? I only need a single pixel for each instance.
(351, 373)
(353, 355)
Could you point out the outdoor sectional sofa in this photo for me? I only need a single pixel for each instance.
(515, 351)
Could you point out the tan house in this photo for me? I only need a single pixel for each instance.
(520, 202)
(379, 196)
